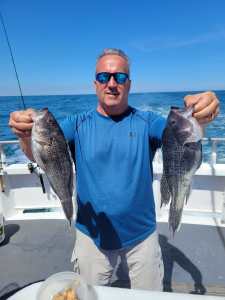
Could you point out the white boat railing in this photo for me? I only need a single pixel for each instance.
(25, 193)
(2, 152)
(212, 141)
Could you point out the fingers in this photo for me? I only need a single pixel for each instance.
(205, 106)
(21, 122)
(21, 133)
(208, 118)
(205, 109)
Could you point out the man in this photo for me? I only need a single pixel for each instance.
(114, 148)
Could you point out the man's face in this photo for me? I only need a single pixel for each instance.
(112, 97)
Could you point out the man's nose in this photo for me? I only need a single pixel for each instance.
(112, 82)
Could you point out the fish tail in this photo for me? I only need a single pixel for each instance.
(68, 209)
(188, 193)
(175, 215)
(70, 224)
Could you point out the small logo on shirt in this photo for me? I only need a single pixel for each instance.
(132, 134)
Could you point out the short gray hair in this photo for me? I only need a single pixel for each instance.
(114, 51)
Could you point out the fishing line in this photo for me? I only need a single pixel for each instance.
(13, 61)
(30, 165)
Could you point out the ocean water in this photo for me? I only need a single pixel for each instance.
(63, 105)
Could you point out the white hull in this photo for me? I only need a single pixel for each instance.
(23, 193)
(200, 244)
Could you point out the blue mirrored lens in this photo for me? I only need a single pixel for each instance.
(103, 77)
(119, 77)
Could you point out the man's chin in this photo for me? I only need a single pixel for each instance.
(112, 101)
(112, 97)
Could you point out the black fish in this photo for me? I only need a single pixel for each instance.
(52, 154)
(182, 156)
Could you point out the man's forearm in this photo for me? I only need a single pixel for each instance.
(25, 144)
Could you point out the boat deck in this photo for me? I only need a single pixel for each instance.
(194, 259)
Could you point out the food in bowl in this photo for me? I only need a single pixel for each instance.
(67, 294)
(66, 286)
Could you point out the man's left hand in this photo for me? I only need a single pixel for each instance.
(205, 105)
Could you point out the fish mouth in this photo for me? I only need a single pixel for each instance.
(185, 113)
(175, 108)
(39, 113)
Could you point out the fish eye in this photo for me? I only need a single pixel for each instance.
(173, 122)
(50, 121)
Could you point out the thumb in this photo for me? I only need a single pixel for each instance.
(191, 100)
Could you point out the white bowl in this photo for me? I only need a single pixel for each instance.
(65, 280)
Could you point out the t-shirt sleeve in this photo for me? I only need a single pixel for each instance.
(68, 127)
(157, 124)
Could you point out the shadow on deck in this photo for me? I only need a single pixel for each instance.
(194, 260)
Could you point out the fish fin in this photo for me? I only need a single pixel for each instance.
(40, 159)
(200, 160)
(175, 222)
(46, 141)
(69, 148)
(188, 194)
(72, 184)
(165, 192)
(70, 224)
(175, 216)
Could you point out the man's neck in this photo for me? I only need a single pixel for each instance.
(112, 111)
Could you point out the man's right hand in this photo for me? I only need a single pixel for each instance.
(21, 122)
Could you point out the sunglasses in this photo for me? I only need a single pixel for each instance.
(104, 77)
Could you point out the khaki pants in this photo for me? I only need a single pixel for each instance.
(142, 264)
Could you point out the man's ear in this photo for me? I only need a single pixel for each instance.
(129, 84)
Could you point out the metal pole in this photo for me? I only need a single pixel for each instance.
(213, 154)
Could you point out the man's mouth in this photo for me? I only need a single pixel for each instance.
(112, 93)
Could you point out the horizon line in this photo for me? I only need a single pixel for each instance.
(131, 93)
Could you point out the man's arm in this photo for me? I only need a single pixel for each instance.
(21, 124)
(205, 106)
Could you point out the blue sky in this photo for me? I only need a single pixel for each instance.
(173, 45)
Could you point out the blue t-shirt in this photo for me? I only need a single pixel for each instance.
(113, 158)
